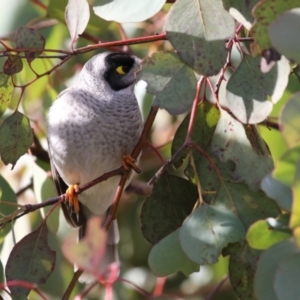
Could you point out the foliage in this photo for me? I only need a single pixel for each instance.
(224, 77)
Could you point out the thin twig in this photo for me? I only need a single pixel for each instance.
(72, 284)
(134, 154)
(217, 287)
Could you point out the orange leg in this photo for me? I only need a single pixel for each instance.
(128, 162)
(72, 198)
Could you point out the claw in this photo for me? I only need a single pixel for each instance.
(72, 198)
(128, 162)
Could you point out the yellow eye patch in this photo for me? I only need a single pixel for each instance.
(120, 70)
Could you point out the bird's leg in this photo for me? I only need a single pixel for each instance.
(128, 162)
(72, 198)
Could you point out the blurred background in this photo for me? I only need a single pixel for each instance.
(30, 181)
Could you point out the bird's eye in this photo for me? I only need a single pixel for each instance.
(122, 70)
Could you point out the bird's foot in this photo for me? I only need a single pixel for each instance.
(128, 163)
(72, 198)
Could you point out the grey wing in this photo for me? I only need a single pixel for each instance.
(72, 218)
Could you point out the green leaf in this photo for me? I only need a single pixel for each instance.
(242, 266)
(8, 195)
(286, 283)
(260, 236)
(16, 137)
(278, 191)
(171, 81)
(241, 10)
(31, 260)
(284, 34)
(6, 90)
(44, 189)
(167, 257)
(198, 30)
(249, 91)
(268, 266)
(28, 39)
(172, 199)
(13, 65)
(265, 16)
(77, 15)
(295, 216)
(249, 206)
(249, 154)
(290, 119)
(96, 26)
(285, 168)
(206, 120)
(212, 173)
(121, 11)
(2, 278)
(207, 231)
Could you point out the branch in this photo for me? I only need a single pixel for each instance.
(134, 154)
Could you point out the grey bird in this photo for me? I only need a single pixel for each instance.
(91, 126)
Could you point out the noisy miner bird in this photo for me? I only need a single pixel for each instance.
(92, 125)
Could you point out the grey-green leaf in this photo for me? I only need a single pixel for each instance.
(77, 15)
(31, 260)
(250, 206)
(123, 11)
(268, 266)
(16, 137)
(171, 81)
(286, 283)
(284, 34)
(278, 191)
(242, 266)
(207, 231)
(167, 257)
(13, 65)
(6, 90)
(29, 38)
(290, 121)
(241, 10)
(231, 142)
(172, 199)
(197, 29)
(251, 93)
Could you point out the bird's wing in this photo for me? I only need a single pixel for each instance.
(75, 220)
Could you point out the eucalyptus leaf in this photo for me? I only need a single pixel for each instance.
(278, 191)
(241, 10)
(31, 260)
(290, 120)
(171, 81)
(286, 283)
(264, 16)
(198, 30)
(251, 93)
(29, 38)
(16, 137)
(77, 15)
(284, 34)
(249, 206)
(167, 257)
(124, 11)
(6, 90)
(242, 267)
(207, 231)
(268, 266)
(260, 236)
(231, 143)
(172, 199)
